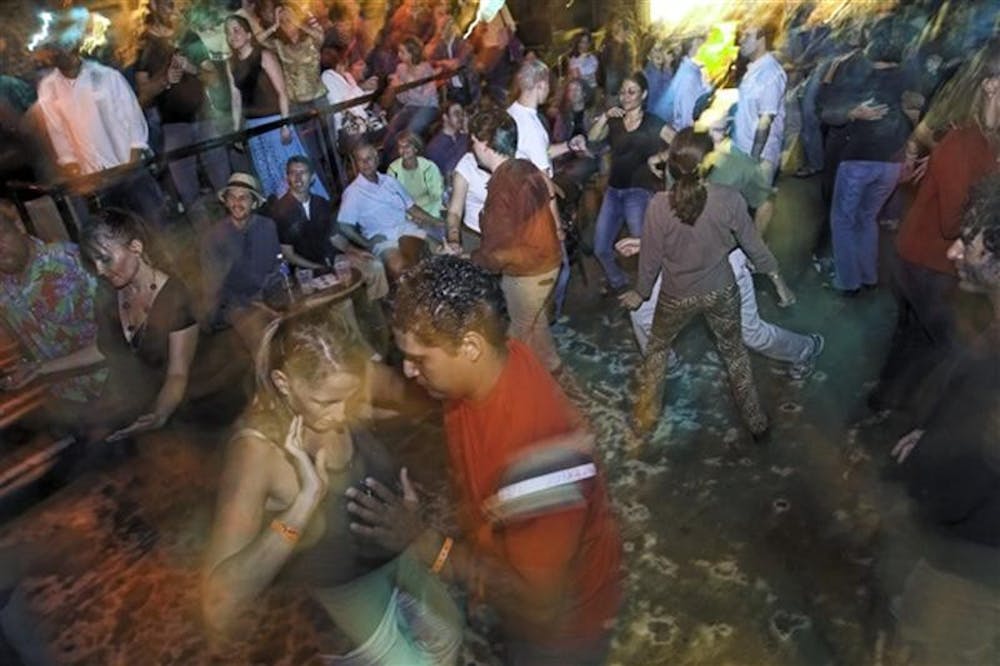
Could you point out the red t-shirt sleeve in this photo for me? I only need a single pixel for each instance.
(540, 549)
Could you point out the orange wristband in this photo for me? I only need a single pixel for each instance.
(286, 531)
(442, 556)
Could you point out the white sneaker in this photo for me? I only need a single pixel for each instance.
(802, 369)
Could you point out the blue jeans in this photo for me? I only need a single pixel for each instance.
(626, 205)
(860, 191)
(562, 283)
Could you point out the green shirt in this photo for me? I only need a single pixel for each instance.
(424, 184)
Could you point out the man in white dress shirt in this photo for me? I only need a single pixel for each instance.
(94, 122)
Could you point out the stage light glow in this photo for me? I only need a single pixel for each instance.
(97, 35)
(682, 11)
(487, 10)
(43, 32)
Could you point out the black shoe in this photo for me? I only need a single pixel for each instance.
(763, 438)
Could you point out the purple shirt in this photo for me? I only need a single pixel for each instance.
(445, 151)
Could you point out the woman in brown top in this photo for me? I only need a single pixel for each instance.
(688, 234)
(519, 238)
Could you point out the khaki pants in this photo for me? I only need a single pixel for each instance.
(527, 303)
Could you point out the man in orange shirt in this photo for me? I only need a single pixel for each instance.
(540, 543)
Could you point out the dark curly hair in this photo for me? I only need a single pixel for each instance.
(444, 297)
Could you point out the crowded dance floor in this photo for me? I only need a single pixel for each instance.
(486, 332)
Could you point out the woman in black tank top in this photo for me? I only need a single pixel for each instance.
(259, 97)
(282, 510)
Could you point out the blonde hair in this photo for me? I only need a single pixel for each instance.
(306, 345)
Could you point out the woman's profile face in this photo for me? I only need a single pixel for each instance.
(115, 261)
(324, 403)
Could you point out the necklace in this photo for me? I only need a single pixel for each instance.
(135, 318)
(632, 122)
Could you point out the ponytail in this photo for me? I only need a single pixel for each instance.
(687, 196)
(688, 193)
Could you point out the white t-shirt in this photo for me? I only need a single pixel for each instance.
(532, 137)
(340, 88)
(93, 120)
(477, 178)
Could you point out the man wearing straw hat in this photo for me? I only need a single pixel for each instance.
(238, 254)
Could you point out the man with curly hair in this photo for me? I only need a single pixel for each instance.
(539, 543)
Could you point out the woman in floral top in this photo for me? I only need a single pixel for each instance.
(47, 300)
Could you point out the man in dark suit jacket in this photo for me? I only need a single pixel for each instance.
(309, 235)
(305, 221)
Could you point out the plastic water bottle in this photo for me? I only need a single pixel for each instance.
(286, 277)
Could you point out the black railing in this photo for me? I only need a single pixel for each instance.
(106, 178)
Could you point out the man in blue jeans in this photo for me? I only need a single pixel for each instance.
(879, 117)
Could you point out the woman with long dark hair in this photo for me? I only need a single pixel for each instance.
(688, 234)
(283, 512)
(583, 63)
(634, 137)
(259, 97)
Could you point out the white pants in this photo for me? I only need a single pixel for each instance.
(410, 634)
(760, 336)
